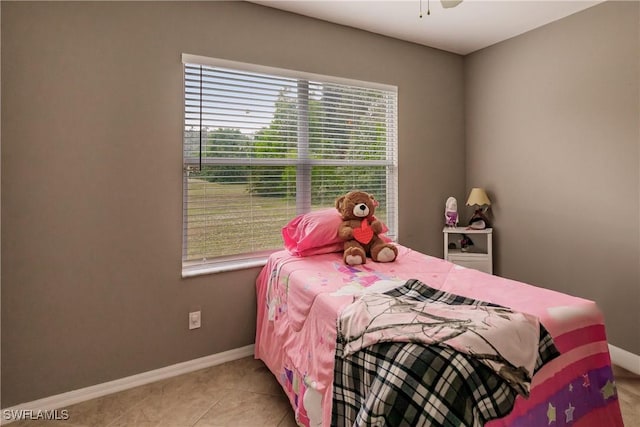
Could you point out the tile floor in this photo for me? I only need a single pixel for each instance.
(628, 385)
(238, 393)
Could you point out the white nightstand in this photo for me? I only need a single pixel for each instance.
(480, 256)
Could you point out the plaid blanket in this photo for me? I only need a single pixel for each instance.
(398, 384)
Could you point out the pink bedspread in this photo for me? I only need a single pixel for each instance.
(299, 300)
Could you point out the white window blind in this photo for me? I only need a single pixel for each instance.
(262, 145)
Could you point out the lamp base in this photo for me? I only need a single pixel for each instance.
(479, 221)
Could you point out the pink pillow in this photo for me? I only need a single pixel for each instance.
(316, 233)
(313, 233)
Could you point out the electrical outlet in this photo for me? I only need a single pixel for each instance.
(194, 320)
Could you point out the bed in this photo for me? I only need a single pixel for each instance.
(300, 303)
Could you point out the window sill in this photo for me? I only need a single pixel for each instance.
(222, 267)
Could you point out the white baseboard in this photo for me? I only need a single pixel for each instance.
(76, 396)
(625, 359)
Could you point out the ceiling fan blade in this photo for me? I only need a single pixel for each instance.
(450, 3)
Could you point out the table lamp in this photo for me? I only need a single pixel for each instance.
(478, 197)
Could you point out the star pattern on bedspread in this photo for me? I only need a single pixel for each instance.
(569, 413)
(608, 390)
(551, 413)
(587, 392)
(586, 382)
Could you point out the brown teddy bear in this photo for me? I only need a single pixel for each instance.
(360, 229)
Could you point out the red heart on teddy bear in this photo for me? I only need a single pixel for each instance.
(364, 233)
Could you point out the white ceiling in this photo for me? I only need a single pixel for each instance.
(472, 25)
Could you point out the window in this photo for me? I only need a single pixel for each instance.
(262, 145)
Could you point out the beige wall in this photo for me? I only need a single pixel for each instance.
(552, 124)
(91, 176)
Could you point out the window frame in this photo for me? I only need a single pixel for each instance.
(259, 258)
